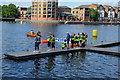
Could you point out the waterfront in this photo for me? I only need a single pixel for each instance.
(72, 65)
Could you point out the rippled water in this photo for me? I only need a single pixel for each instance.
(71, 65)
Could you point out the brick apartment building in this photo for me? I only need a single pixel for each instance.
(82, 13)
(44, 9)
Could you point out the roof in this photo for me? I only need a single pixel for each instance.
(82, 6)
(64, 7)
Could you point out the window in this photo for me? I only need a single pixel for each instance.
(32, 15)
(73, 12)
(49, 1)
(44, 5)
(49, 16)
(76, 11)
(49, 12)
(44, 16)
(44, 8)
(53, 16)
(44, 12)
(49, 5)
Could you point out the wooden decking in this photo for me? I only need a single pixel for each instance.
(45, 52)
(106, 44)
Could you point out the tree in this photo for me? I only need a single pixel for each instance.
(9, 11)
(0, 11)
(94, 14)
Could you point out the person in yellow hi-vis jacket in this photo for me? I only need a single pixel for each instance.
(64, 44)
(37, 42)
(76, 40)
(50, 40)
(83, 43)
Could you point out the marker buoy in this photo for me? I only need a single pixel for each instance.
(21, 22)
(95, 33)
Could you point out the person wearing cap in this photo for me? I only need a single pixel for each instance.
(68, 39)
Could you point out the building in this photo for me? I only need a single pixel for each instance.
(64, 12)
(106, 11)
(22, 12)
(82, 13)
(101, 11)
(28, 13)
(64, 9)
(119, 12)
(44, 9)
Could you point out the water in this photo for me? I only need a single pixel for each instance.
(72, 65)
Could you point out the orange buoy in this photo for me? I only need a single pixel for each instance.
(31, 35)
(70, 45)
(44, 41)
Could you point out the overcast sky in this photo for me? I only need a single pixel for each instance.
(69, 3)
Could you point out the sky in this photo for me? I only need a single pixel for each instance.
(69, 3)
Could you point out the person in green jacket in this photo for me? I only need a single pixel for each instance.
(64, 44)
(50, 40)
(53, 42)
(31, 32)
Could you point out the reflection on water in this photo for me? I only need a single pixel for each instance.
(48, 66)
(44, 24)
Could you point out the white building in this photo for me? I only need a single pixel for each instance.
(111, 13)
(101, 10)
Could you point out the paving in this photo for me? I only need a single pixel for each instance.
(49, 52)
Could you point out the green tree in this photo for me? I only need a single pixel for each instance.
(0, 11)
(9, 11)
(94, 14)
(5, 11)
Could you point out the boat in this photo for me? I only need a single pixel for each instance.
(31, 35)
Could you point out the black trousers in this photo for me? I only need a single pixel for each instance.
(72, 42)
(68, 43)
(49, 44)
(37, 45)
(53, 45)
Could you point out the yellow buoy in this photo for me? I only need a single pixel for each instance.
(94, 37)
(21, 22)
(95, 33)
